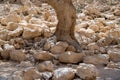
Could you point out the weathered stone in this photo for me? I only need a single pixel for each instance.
(114, 33)
(93, 46)
(4, 34)
(17, 76)
(60, 47)
(31, 31)
(17, 32)
(87, 71)
(18, 55)
(12, 26)
(98, 59)
(43, 55)
(7, 50)
(64, 74)
(2, 42)
(45, 66)
(114, 54)
(47, 46)
(31, 74)
(71, 57)
(117, 12)
(71, 48)
(113, 65)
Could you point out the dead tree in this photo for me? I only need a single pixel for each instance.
(66, 15)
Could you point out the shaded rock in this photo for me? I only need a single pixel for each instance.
(114, 54)
(60, 47)
(117, 12)
(47, 46)
(98, 59)
(31, 74)
(43, 55)
(45, 66)
(87, 71)
(18, 55)
(71, 57)
(2, 42)
(17, 75)
(71, 48)
(63, 74)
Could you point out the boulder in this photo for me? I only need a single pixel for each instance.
(71, 57)
(64, 74)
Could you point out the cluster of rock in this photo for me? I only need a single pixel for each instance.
(24, 37)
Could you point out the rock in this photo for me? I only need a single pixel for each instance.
(114, 33)
(31, 31)
(2, 42)
(47, 33)
(60, 47)
(114, 54)
(93, 46)
(117, 12)
(3, 34)
(87, 71)
(31, 74)
(47, 75)
(45, 66)
(71, 48)
(89, 33)
(47, 46)
(17, 32)
(113, 65)
(25, 64)
(63, 74)
(43, 55)
(18, 55)
(12, 26)
(17, 75)
(108, 16)
(98, 59)
(7, 50)
(94, 27)
(71, 57)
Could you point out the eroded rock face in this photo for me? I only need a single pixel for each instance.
(71, 57)
(63, 74)
(87, 71)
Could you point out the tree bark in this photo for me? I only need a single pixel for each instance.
(66, 15)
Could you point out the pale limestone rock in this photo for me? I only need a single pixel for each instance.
(64, 74)
(71, 57)
(60, 47)
(45, 66)
(43, 55)
(87, 71)
(98, 59)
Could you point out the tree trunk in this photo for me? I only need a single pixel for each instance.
(66, 15)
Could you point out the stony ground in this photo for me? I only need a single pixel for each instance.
(28, 52)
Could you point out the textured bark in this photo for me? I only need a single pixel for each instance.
(66, 15)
